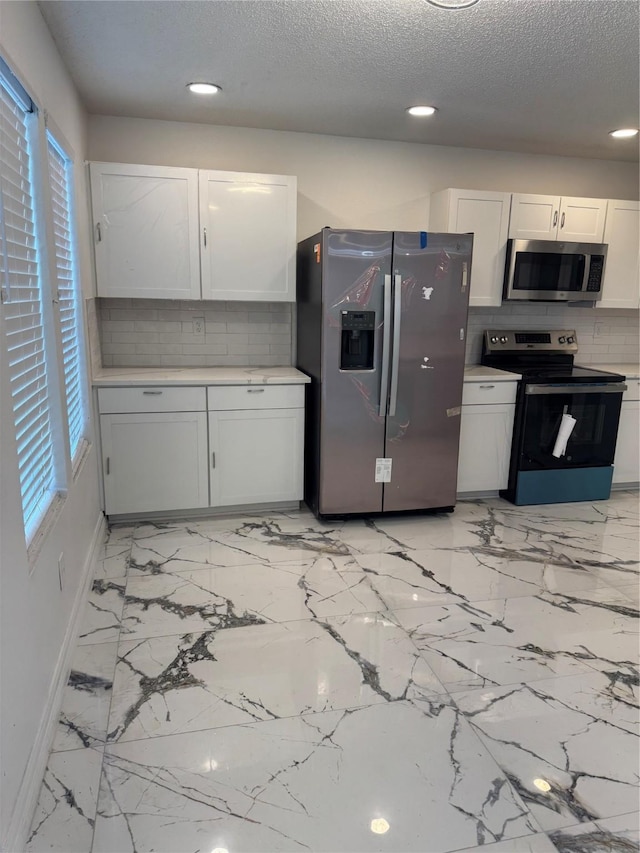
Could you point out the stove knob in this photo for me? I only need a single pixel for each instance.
(503, 340)
(571, 339)
(562, 340)
(494, 340)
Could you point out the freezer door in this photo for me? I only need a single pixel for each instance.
(355, 267)
(431, 276)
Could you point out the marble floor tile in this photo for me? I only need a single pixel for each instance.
(103, 612)
(113, 561)
(632, 592)
(325, 782)
(213, 598)
(569, 746)
(65, 815)
(511, 640)
(463, 681)
(413, 578)
(614, 835)
(539, 843)
(165, 685)
(87, 698)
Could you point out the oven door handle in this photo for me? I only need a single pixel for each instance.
(577, 388)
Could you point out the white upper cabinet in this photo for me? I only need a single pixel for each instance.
(486, 215)
(621, 288)
(145, 229)
(171, 233)
(542, 217)
(248, 236)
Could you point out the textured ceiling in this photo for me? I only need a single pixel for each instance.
(540, 76)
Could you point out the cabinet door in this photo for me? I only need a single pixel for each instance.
(626, 462)
(145, 224)
(621, 279)
(486, 216)
(258, 456)
(485, 448)
(154, 462)
(582, 219)
(534, 217)
(248, 240)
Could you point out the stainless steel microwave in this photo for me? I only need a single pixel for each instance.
(550, 271)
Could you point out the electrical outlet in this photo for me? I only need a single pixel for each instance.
(198, 325)
(61, 570)
(598, 329)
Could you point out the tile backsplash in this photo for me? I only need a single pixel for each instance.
(162, 332)
(604, 337)
(142, 332)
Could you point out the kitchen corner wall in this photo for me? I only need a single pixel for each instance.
(604, 337)
(160, 332)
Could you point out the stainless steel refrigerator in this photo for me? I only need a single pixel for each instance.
(381, 325)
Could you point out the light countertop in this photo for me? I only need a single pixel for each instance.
(107, 376)
(480, 373)
(631, 371)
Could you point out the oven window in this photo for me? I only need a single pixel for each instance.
(548, 271)
(593, 440)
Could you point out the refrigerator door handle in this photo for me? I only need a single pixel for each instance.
(386, 338)
(395, 355)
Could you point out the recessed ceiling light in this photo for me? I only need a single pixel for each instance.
(624, 132)
(452, 4)
(379, 825)
(203, 88)
(421, 111)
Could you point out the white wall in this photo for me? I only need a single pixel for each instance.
(355, 183)
(35, 614)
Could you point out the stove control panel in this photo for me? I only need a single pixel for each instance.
(528, 340)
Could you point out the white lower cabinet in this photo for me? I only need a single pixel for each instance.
(486, 428)
(626, 463)
(256, 456)
(154, 461)
(181, 448)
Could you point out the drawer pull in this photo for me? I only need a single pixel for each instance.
(213, 460)
(152, 393)
(255, 390)
(108, 466)
(487, 386)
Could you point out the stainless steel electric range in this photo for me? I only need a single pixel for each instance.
(566, 419)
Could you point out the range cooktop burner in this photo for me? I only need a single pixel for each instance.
(540, 356)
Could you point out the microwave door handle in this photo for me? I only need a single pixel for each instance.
(386, 339)
(585, 272)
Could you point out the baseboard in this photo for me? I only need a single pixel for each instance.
(204, 512)
(27, 798)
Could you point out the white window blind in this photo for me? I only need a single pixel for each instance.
(67, 292)
(20, 278)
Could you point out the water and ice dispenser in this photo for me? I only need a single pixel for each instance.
(356, 348)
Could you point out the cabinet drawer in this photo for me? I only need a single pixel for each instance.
(234, 397)
(479, 393)
(151, 399)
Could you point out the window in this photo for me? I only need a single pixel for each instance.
(42, 345)
(60, 184)
(21, 281)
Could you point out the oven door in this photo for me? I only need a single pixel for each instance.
(596, 409)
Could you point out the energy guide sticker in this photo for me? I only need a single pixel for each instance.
(383, 470)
